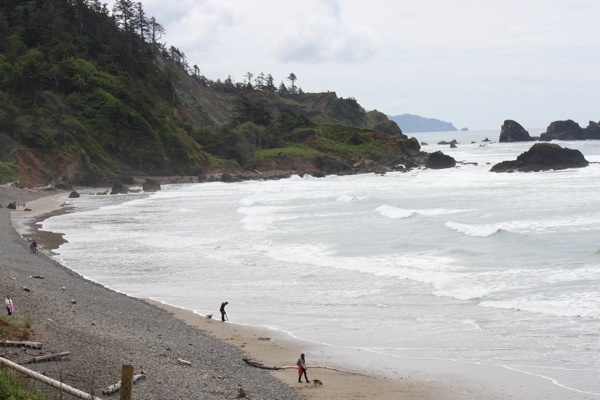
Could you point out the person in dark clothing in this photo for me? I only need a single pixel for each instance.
(223, 313)
(302, 369)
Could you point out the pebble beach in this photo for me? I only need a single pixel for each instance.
(104, 330)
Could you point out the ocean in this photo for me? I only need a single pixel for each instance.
(462, 264)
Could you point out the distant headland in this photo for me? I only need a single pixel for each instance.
(410, 123)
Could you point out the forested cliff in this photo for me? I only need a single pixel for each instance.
(87, 93)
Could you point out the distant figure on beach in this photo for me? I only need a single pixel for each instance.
(223, 313)
(302, 369)
(33, 247)
(10, 306)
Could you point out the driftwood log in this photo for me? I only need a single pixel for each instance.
(30, 345)
(49, 357)
(117, 386)
(257, 364)
(48, 381)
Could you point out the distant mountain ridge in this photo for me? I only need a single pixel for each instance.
(410, 123)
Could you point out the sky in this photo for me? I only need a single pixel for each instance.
(474, 63)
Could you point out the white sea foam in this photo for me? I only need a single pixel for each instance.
(394, 212)
(474, 230)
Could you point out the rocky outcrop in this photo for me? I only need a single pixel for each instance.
(382, 123)
(512, 131)
(75, 169)
(74, 194)
(570, 130)
(119, 188)
(151, 185)
(542, 157)
(439, 160)
(411, 144)
(225, 177)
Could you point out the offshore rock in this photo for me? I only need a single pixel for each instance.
(512, 131)
(570, 130)
(444, 142)
(439, 160)
(543, 157)
(74, 194)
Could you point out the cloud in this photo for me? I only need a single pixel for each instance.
(327, 38)
(203, 24)
(198, 24)
(332, 7)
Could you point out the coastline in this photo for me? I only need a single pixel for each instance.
(416, 379)
(279, 349)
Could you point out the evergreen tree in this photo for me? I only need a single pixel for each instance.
(292, 78)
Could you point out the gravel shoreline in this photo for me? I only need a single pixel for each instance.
(104, 329)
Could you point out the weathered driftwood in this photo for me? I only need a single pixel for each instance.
(48, 357)
(117, 386)
(257, 364)
(184, 362)
(48, 381)
(30, 345)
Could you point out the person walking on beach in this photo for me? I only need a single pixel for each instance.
(10, 306)
(223, 313)
(33, 247)
(302, 369)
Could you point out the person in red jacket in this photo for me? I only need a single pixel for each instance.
(302, 369)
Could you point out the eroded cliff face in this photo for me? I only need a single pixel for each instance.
(31, 169)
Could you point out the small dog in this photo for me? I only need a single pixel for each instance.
(209, 316)
(317, 382)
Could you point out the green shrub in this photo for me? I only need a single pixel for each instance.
(9, 172)
(14, 387)
(289, 153)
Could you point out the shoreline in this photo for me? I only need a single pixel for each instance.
(416, 379)
(260, 344)
(102, 330)
(276, 349)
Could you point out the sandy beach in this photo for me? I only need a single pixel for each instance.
(275, 349)
(71, 313)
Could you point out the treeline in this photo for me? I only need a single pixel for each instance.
(74, 76)
(261, 82)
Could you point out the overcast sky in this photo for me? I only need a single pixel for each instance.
(474, 63)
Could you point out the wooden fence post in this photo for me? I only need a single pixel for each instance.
(126, 392)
